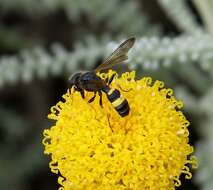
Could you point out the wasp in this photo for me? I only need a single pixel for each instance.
(89, 80)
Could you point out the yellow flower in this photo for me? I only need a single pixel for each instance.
(94, 148)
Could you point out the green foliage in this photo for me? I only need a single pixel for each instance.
(182, 16)
(125, 16)
(15, 168)
(169, 52)
(39, 63)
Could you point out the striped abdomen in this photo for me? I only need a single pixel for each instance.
(118, 101)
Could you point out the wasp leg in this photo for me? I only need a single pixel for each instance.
(109, 81)
(93, 98)
(109, 122)
(82, 94)
(100, 101)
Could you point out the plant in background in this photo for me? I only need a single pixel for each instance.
(183, 60)
(95, 148)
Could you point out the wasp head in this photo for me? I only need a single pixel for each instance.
(74, 80)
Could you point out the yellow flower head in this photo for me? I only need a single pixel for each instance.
(95, 148)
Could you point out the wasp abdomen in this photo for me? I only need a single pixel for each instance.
(118, 101)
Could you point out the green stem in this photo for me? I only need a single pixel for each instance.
(205, 8)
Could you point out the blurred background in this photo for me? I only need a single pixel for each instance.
(43, 42)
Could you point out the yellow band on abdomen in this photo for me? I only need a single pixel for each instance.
(118, 101)
(111, 91)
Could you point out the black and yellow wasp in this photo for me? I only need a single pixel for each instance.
(90, 81)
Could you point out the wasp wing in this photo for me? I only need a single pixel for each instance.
(118, 56)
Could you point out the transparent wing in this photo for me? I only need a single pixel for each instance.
(118, 56)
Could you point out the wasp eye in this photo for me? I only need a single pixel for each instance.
(86, 78)
(73, 78)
